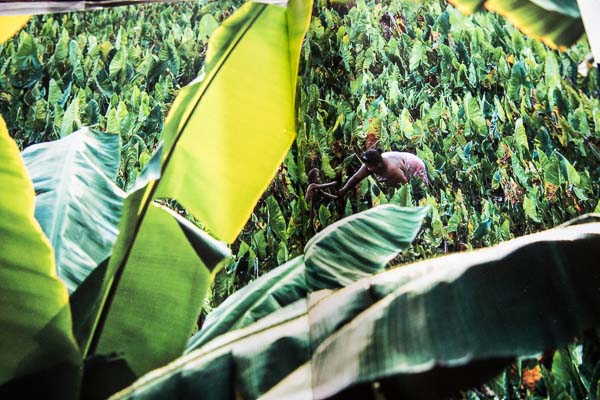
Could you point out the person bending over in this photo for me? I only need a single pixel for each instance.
(392, 168)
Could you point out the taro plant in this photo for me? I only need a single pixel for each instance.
(118, 308)
(508, 130)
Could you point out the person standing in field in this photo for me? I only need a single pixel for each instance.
(393, 168)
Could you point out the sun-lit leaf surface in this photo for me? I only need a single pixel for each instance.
(35, 320)
(225, 147)
(555, 22)
(360, 245)
(78, 203)
(170, 264)
(552, 276)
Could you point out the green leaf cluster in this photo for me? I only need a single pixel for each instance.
(508, 130)
(115, 70)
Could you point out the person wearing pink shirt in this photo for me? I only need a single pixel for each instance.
(393, 168)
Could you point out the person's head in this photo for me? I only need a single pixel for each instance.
(313, 176)
(372, 158)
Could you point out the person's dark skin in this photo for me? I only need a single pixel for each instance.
(314, 189)
(392, 168)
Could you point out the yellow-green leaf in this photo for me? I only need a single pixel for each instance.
(35, 319)
(530, 208)
(406, 125)
(163, 254)
(521, 135)
(557, 23)
(228, 132)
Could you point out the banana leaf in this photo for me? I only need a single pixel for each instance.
(237, 148)
(78, 204)
(162, 290)
(203, 164)
(10, 25)
(360, 245)
(239, 364)
(38, 353)
(350, 249)
(422, 331)
(516, 299)
(557, 23)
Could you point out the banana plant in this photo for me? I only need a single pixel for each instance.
(557, 23)
(36, 337)
(423, 330)
(159, 256)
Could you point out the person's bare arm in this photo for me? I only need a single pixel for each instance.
(402, 177)
(361, 174)
(397, 169)
(329, 195)
(326, 185)
(313, 187)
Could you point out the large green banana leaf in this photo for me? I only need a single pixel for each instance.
(77, 204)
(350, 249)
(161, 292)
(203, 165)
(35, 321)
(557, 23)
(228, 343)
(411, 328)
(238, 118)
(360, 245)
(519, 298)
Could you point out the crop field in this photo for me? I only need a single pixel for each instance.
(508, 129)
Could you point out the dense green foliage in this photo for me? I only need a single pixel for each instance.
(116, 70)
(508, 130)
(391, 327)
